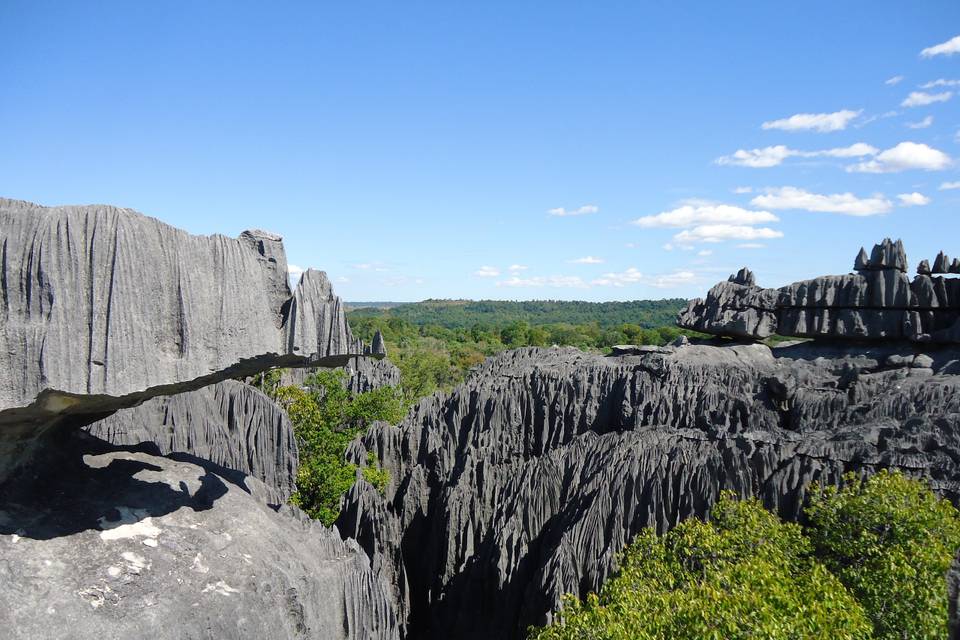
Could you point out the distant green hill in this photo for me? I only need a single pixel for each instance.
(463, 314)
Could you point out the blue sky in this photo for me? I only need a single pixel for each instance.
(417, 150)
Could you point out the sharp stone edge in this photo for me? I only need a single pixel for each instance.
(525, 482)
(103, 309)
(878, 302)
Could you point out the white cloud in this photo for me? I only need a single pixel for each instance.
(922, 98)
(587, 260)
(946, 186)
(913, 199)
(689, 215)
(705, 252)
(923, 124)
(743, 189)
(556, 282)
(757, 158)
(751, 245)
(894, 80)
(845, 203)
(670, 280)
(940, 82)
(294, 271)
(487, 272)
(774, 156)
(722, 232)
(820, 122)
(947, 48)
(517, 267)
(342, 279)
(904, 156)
(630, 276)
(585, 209)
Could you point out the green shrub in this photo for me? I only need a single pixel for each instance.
(326, 417)
(745, 574)
(890, 540)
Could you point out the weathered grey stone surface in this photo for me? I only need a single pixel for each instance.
(104, 308)
(525, 482)
(231, 424)
(128, 545)
(879, 302)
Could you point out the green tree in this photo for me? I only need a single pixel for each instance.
(890, 540)
(326, 417)
(744, 574)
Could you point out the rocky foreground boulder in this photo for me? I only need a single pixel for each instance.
(877, 302)
(111, 316)
(526, 481)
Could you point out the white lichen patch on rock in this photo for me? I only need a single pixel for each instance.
(220, 587)
(131, 524)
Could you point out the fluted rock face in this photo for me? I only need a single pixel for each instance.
(130, 545)
(104, 308)
(230, 424)
(879, 302)
(526, 482)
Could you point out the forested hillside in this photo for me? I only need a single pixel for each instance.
(464, 314)
(436, 342)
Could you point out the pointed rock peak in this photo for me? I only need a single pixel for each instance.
(378, 347)
(942, 263)
(955, 266)
(744, 277)
(888, 255)
(923, 268)
(861, 261)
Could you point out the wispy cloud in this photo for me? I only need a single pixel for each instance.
(587, 260)
(913, 199)
(940, 82)
(819, 122)
(705, 252)
(903, 157)
(619, 279)
(922, 98)
(740, 190)
(723, 232)
(515, 268)
(672, 280)
(775, 155)
(751, 245)
(947, 186)
(947, 48)
(487, 272)
(923, 124)
(690, 215)
(844, 203)
(553, 282)
(579, 211)
(894, 80)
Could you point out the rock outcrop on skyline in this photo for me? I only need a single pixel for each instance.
(878, 302)
(104, 308)
(111, 316)
(526, 481)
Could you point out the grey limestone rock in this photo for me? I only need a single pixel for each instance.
(923, 268)
(879, 302)
(104, 308)
(942, 263)
(231, 424)
(129, 545)
(525, 482)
